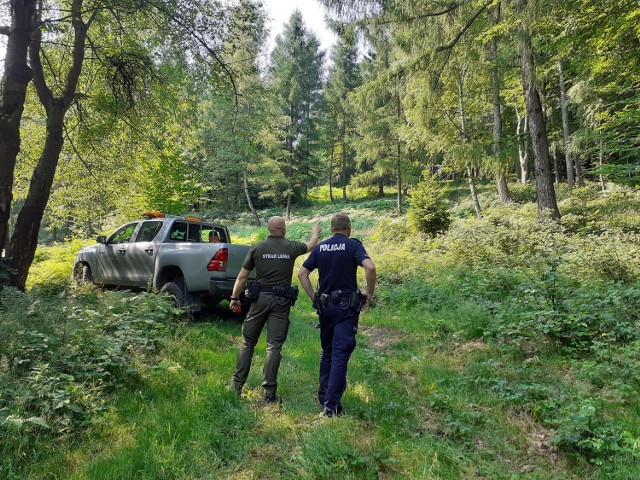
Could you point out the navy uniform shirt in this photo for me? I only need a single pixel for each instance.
(337, 260)
(273, 258)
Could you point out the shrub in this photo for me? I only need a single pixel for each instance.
(62, 353)
(522, 193)
(51, 268)
(582, 429)
(429, 212)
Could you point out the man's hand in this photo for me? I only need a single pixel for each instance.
(234, 305)
(367, 299)
(315, 233)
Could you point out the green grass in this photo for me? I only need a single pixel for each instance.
(465, 368)
(421, 403)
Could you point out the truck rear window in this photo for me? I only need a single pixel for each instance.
(198, 233)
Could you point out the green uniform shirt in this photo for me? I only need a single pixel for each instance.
(273, 258)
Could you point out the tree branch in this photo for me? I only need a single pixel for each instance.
(83, 161)
(204, 44)
(79, 47)
(44, 93)
(422, 16)
(453, 42)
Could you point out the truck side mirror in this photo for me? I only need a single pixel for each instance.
(101, 239)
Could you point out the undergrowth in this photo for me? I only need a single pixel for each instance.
(505, 347)
(63, 354)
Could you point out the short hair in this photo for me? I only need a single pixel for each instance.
(340, 222)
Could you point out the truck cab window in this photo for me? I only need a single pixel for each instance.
(213, 234)
(148, 231)
(124, 234)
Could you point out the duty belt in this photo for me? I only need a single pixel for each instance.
(253, 290)
(270, 289)
(352, 300)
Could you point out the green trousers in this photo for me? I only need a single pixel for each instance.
(274, 312)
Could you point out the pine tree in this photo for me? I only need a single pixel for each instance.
(296, 80)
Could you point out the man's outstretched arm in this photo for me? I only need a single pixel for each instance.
(313, 241)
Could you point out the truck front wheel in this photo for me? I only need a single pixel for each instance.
(82, 273)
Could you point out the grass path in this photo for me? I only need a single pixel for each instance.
(413, 411)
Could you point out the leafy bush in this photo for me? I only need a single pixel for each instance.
(52, 265)
(522, 193)
(429, 212)
(576, 318)
(61, 355)
(581, 428)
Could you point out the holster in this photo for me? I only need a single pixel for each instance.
(356, 301)
(290, 293)
(252, 290)
(293, 294)
(320, 301)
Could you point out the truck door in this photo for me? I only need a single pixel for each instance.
(112, 255)
(141, 253)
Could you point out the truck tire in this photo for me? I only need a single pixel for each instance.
(175, 291)
(82, 273)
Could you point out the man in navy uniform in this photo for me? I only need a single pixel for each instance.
(338, 302)
(273, 259)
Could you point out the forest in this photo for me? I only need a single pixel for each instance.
(488, 153)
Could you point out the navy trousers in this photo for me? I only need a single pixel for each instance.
(338, 328)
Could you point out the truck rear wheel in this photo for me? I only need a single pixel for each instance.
(176, 292)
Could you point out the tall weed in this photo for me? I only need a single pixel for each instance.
(62, 354)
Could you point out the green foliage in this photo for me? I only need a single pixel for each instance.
(522, 193)
(63, 354)
(583, 429)
(51, 270)
(330, 452)
(429, 212)
(575, 318)
(500, 346)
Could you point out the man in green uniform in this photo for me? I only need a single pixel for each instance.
(273, 260)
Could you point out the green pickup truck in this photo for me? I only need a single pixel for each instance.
(191, 261)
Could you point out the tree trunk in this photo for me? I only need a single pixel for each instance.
(236, 193)
(16, 77)
(399, 160)
(246, 193)
(546, 195)
(565, 128)
(288, 214)
(381, 188)
(472, 189)
(399, 179)
(226, 195)
(523, 148)
(600, 162)
(24, 240)
(463, 130)
(503, 189)
(556, 164)
(579, 172)
(501, 182)
(333, 147)
(344, 159)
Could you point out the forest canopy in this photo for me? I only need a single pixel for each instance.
(109, 109)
